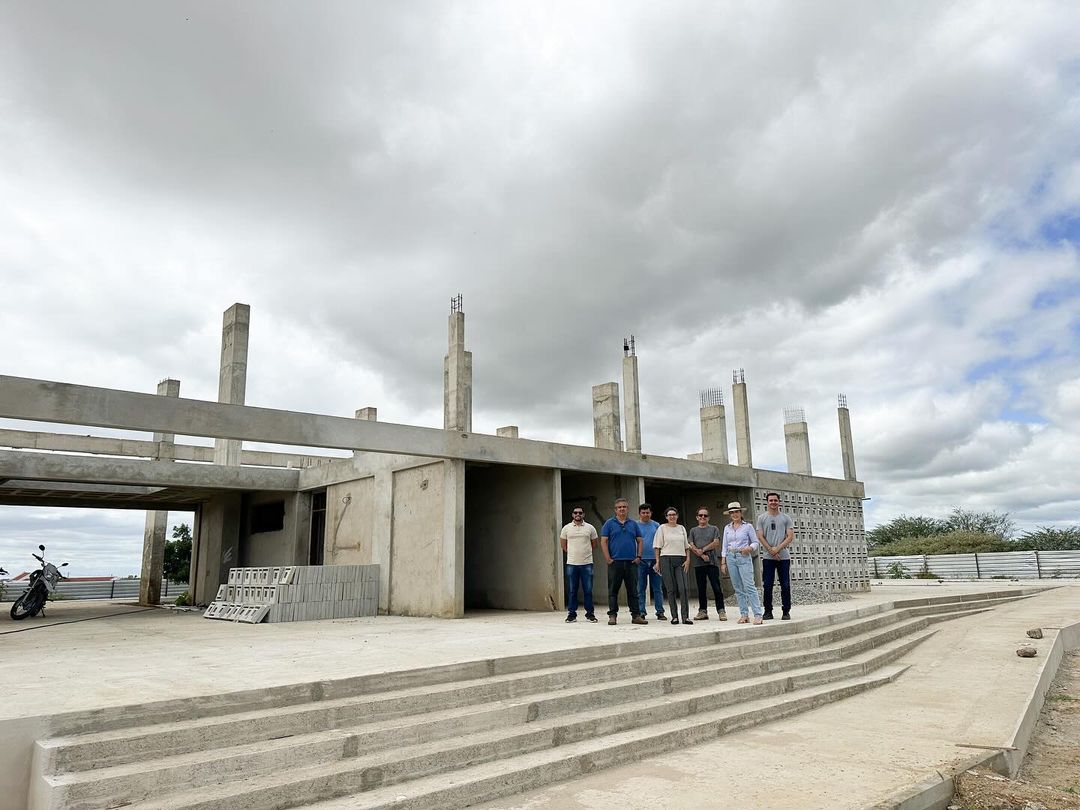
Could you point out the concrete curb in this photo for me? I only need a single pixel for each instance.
(936, 793)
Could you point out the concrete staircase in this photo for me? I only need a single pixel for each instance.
(455, 735)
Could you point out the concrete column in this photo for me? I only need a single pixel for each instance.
(218, 542)
(153, 556)
(847, 448)
(714, 443)
(742, 418)
(368, 414)
(232, 376)
(457, 375)
(605, 409)
(797, 441)
(509, 432)
(631, 401)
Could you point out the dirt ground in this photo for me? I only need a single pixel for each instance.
(1050, 776)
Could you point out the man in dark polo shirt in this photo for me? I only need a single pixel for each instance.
(620, 540)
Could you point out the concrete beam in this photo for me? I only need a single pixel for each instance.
(137, 448)
(44, 401)
(52, 467)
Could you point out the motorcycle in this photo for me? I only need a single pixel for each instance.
(42, 583)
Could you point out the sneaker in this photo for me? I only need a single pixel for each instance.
(675, 621)
(611, 620)
(758, 620)
(590, 617)
(743, 620)
(571, 618)
(701, 616)
(639, 620)
(767, 615)
(786, 616)
(685, 621)
(660, 617)
(722, 616)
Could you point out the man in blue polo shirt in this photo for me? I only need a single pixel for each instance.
(620, 540)
(647, 574)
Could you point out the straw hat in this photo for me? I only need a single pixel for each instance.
(734, 506)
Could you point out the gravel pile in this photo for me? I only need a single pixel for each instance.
(802, 593)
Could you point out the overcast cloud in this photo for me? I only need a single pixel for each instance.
(878, 199)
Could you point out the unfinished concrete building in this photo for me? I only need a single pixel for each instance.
(455, 520)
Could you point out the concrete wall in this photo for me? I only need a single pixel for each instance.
(288, 546)
(350, 523)
(215, 546)
(513, 560)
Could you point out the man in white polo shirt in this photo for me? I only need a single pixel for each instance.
(578, 539)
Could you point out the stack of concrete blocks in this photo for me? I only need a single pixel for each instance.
(297, 593)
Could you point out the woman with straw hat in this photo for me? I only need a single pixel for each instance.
(740, 540)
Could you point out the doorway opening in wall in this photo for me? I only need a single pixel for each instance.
(318, 527)
(687, 499)
(511, 538)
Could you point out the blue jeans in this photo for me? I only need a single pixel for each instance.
(769, 569)
(647, 576)
(580, 575)
(741, 570)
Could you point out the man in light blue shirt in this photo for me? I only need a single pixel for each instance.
(648, 576)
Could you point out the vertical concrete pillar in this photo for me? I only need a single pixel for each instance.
(742, 418)
(714, 443)
(847, 448)
(605, 409)
(631, 394)
(457, 374)
(797, 441)
(509, 432)
(153, 556)
(232, 374)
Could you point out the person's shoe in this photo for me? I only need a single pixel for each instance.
(685, 621)
(785, 616)
(701, 616)
(743, 620)
(758, 620)
(767, 615)
(675, 620)
(612, 620)
(571, 618)
(660, 617)
(722, 616)
(639, 620)
(590, 617)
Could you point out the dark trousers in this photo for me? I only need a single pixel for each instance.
(712, 574)
(619, 572)
(769, 568)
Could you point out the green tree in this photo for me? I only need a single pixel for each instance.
(903, 527)
(956, 542)
(1047, 538)
(178, 554)
(998, 524)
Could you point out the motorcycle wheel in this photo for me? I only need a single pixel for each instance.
(27, 605)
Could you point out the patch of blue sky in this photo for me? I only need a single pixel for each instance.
(1059, 294)
(1064, 227)
(1007, 365)
(1015, 410)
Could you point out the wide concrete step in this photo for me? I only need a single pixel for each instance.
(335, 761)
(485, 781)
(111, 748)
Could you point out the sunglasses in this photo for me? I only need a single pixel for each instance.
(704, 516)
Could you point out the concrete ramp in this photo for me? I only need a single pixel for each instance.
(460, 734)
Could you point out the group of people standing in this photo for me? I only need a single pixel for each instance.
(643, 554)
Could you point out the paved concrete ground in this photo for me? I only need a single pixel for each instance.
(143, 656)
(965, 686)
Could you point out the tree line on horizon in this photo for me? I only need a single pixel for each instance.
(964, 532)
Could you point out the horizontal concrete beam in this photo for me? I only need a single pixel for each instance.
(140, 448)
(15, 464)
(66, 403)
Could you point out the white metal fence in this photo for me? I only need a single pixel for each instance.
(997, 565)
(116, 589)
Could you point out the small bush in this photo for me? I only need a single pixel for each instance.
(183, 600)
(896, 570)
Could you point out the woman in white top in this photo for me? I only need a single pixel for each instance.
(672, 563)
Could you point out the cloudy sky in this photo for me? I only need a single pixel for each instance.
(875, 199)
